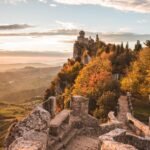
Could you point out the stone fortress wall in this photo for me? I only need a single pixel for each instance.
(43, 130)
(116, 137)
(138, 126)
(85, 48)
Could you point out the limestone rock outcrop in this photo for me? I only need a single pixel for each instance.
(72, 128)
(24, 144)
(107, 141)
(112, 124)
(144, 129)
(114, 137)
(33, 129)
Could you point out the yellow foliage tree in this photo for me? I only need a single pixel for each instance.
(89, 77)
(138, 78)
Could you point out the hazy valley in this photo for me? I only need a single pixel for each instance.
(21, 88)
(25, 80)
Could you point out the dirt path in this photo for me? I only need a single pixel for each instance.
(123, 109)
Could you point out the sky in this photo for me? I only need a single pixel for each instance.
(51, 24)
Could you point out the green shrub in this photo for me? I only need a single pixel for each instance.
(106, 103)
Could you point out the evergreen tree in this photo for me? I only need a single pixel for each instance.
(121, 47)
(107, 50)
(138, 46)
(127, 46)
(97, 38)
(118, 49)
(147, 43)
(113, 47)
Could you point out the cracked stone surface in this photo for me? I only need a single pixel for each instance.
(83, 143)
(81, 133)
(21, 144)
(33, 128)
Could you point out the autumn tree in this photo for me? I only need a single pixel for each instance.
(105, 103)
(63, 81)
(87, 81)
(138, 79)
(95, 79)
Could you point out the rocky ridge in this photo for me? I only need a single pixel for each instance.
(77, 131)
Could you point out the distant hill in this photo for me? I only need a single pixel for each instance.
(19, 85)
(34, 54)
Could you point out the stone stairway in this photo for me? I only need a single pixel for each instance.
(123, 109)
(61, 131)
(62, 140)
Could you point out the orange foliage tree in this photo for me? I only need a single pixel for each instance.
(93, 81)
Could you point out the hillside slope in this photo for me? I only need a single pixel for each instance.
(20, 91)
(23, 84)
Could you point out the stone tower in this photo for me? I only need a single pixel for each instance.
(80, 45)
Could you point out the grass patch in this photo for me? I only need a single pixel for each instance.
(141, 109)
(4, 125)
(9, 112)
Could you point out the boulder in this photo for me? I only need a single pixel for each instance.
(107, 141)
(33, 128)
(139, 125)
(21, 144)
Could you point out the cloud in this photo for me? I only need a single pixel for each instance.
(142, 21)
(46, 33)
(14, 26)
(52, 5)
(72, 34)
(142, 6)
(67, 25)
(20, 1)
(43, 1)
(125, 29)
(12, 1)
(67, 32)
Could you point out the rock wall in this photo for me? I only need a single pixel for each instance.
(112, 124)
(145, 130)
(108, 142)
(35, 131)
(79, 105)
(119, 139)
(137, 141)
(30, 133)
